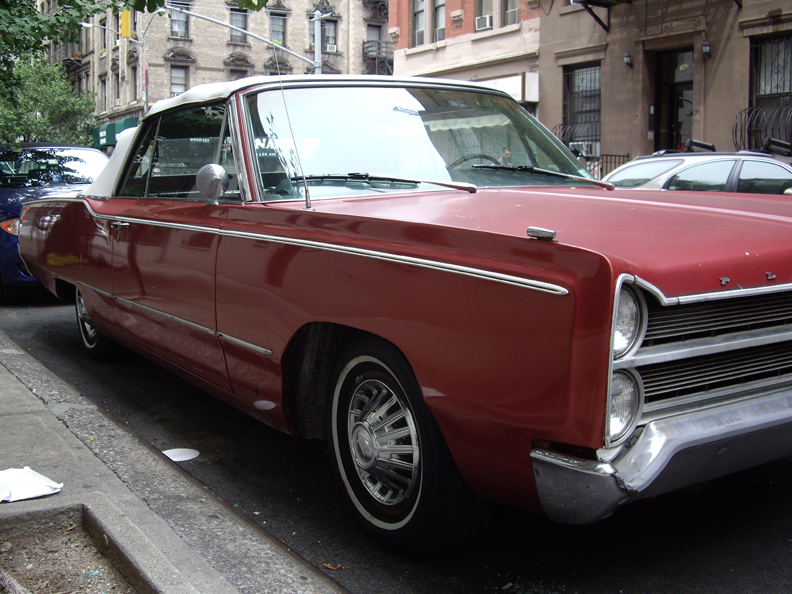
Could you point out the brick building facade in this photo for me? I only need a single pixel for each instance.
(494, 42)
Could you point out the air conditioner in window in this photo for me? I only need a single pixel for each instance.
(331, 48)
(118, 102)
(584, 149)
(484, 22)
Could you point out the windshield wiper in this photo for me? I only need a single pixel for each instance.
(371, 179)
(549, 172)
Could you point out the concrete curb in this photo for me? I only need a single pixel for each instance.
(164, 533)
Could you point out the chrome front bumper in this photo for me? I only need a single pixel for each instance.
(669, 454)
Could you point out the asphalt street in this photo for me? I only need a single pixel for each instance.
(731, 536)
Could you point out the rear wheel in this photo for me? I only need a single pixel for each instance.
(97, 344)
(391, 457)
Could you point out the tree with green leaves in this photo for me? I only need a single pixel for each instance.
(45, 108)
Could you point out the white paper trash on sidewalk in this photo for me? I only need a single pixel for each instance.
(24, 483)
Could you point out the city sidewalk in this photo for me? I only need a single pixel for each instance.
(163, 531)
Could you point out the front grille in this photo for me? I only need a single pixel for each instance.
(717, 318)
(715, 349)
(702, 375)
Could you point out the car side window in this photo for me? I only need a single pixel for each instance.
(632, 176)
(758, 177)
(706, 177)
(173, 149)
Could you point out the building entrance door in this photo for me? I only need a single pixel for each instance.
(674, 122)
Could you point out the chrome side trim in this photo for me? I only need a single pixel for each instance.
(245, 344)
(727, 294)
(419, 262)
(479, 273)
(187, 323)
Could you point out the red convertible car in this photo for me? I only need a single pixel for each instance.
(347, 258)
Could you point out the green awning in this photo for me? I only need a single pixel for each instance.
(122, 125)
(105, 135)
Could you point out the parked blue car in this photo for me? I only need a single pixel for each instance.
(30, 171)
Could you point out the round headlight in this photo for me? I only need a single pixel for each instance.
(628, 326)
(625, 404)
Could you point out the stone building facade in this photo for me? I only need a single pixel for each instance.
(627, 78)
(171, 51)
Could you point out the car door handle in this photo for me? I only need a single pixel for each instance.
(118, 225)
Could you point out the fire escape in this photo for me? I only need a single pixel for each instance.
(378, 54)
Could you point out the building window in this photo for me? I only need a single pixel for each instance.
(582, 101)
(236, 74)
(419, 22)
(103, 38)
(179, 22)
(85, 41)
(483, 15)
(278, 28)
(238, 19)
(132, 80)
(373, 32)
(178, 82)
(771, 61)
(511, 12)
(439, 19)
(103, 95)
(117, 85)
(328, 35)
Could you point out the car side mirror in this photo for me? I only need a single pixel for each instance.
(212, 182)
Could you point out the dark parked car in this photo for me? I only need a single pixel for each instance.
(31, 171)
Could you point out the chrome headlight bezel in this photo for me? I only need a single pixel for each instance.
(629, 420)
(629, 311)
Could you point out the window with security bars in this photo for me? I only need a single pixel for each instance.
(582, 108)
(771, 71)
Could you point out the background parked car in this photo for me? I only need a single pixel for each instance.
(744, 172)
(31, 171)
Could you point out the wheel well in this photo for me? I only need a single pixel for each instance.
(64, 291)
(308, 365)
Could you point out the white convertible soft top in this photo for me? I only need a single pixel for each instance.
(102, 187)
(104, 184)
(222, 90)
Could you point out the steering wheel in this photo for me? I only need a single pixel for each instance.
(471, 157)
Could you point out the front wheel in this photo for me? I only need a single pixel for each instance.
(391, 458)
(94, 342)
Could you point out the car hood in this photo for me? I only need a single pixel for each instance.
(683, 243)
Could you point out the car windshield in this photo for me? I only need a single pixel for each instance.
(30, 167)
(398, 134)
(632, 176)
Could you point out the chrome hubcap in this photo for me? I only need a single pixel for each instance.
(85, 322)
(384, 442)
